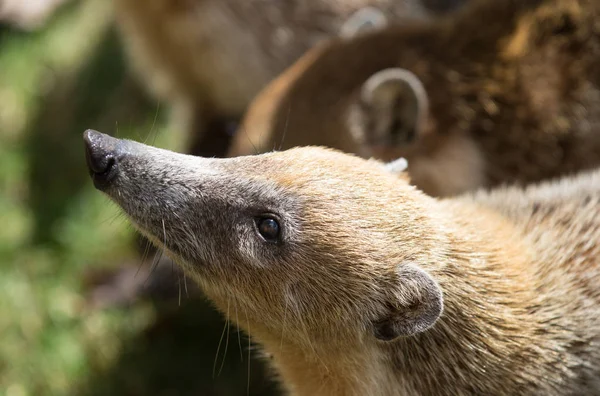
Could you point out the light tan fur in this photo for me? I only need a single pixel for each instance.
(362, 254)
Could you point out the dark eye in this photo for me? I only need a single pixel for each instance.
(268, 228)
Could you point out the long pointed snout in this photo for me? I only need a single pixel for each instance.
(143, 177)
(102, 154)
(173, 198)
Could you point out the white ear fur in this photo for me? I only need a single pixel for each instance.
(393, 77)
(363, 20)
(416, 305)
(397, 166)
(397, 93)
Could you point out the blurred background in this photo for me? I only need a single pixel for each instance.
(87, 307)
(62, 70)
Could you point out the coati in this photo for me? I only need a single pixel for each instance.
(498, 92)
(357, 283)
(209, 58)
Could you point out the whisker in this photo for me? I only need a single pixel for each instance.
(144, 257)
(283, 324)
(226, 340)
(249, 352)
(164, 233)
(185, 284)
(157, 257)
(237, 321)
(119, 218)
(249, 140)
(285, 127)
(307, 338)
(218, 349)
(112, 218)
(153, 123)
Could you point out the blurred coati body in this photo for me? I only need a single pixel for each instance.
(28, 15)
(209, 58)
(499, 92)
(356, 283)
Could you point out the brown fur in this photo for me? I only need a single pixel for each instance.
(518, 269)
(512, 88)
(209, 58)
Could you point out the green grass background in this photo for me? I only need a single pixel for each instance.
(54, 228)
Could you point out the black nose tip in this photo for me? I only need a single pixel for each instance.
(100, 154)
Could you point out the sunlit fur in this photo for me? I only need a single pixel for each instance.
(519, 270)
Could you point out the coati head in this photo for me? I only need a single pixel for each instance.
(299, 238)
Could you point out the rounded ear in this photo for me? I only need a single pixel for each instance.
(364, 20)
(398, 106)
(415, 305)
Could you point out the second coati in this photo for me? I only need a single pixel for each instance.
(209, 58)
(504, 91)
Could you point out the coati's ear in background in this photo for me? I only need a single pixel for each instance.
(364, 20)
(414, 305)
(396, 105)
